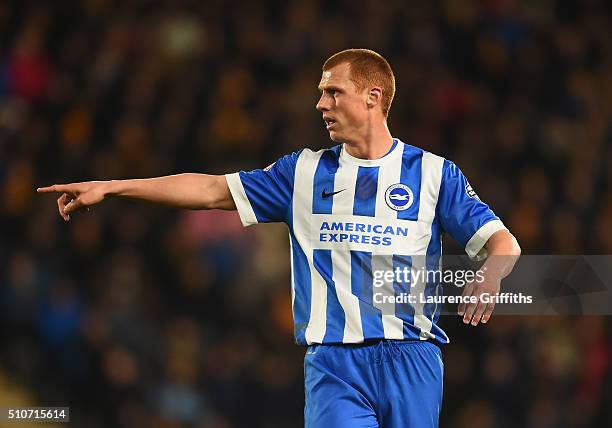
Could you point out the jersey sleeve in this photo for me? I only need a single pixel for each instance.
(264, 195)
(463, 215)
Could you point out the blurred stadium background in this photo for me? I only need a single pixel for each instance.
(142, 316)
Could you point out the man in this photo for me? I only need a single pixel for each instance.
(364, 207)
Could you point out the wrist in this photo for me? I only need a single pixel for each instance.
(493, 272)
(112, 188)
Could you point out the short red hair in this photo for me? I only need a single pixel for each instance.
(368, 69)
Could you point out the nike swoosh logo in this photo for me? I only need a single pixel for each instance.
(327, 195)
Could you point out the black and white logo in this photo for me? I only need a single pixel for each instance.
(325, 194)
(399, 197)
(470, 192)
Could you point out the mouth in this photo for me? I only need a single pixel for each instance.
(329, 123)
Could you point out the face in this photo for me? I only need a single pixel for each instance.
(344, 108)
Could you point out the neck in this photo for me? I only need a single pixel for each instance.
(374, 145)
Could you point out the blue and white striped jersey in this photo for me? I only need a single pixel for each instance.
(349, 218)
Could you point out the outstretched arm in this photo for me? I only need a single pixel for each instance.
(190, 191)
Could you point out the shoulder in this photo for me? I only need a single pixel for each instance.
(310, 155)
(302, 157)
(288, 160)
(431, 163)
(333, 151)
(413, 151)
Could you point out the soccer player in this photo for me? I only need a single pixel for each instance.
(367, 206)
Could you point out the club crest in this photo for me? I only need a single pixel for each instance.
(399, 197)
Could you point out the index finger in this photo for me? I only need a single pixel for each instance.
(54, 188)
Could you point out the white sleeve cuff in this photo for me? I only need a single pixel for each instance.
(475, 247)
(245, 210)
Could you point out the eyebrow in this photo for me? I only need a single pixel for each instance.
(328, 87)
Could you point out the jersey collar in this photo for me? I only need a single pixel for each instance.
(396, 150)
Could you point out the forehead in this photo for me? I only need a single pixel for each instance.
(336, 76)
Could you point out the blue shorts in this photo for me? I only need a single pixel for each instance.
(386, 384)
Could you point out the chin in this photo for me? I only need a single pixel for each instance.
(335, 137)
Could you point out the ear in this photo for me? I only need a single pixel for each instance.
(374, 97)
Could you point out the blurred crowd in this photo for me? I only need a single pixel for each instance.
(142, 316)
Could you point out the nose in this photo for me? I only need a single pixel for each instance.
(323, 104)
